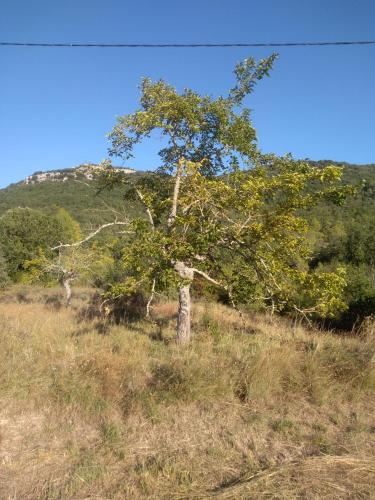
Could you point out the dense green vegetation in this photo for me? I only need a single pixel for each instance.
(4, 276)
(345, 235)
(25, 233)
(80, 198)
(339, 235)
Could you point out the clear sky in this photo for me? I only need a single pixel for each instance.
(57, 105)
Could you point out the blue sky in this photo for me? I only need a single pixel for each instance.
(57, 105)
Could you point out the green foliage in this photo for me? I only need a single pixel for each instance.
(70, 227)
(88, 264)
(23, 232)
(323, 291)
(198, 128)
(35, 270)
(28, 234)
(4, 276)
(80, 199)
(343, 236)
(248, 72)
(242, 230)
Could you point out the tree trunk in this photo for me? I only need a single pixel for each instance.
(68, 290)
(184, 306)
(184, 314)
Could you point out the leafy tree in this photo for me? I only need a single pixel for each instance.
(217, 209)
(70, 227)
(25, 232)
(82, 260)
(69, 264)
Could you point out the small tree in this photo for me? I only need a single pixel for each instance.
(64, 268)
(217, 209)
(67, 262)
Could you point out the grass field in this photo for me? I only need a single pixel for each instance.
(253, 408)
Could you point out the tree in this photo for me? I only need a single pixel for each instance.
(218, 209)
(25, 233)
(67, 262)
(69, 226)
(65, 267)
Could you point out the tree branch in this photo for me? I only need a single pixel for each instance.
(148, 306)
(90, 236)
(148, 210)
(176, 191)
(220, 285)
(208, 278)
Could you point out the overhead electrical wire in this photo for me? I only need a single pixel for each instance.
(184, 45)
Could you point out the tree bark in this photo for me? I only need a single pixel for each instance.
(68, 290)
(183, 332)
(184, 315)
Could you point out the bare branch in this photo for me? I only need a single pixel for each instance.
(148, 210)
(176, 192)
(270, 274)
(149, 302)
(304, 313)
(220, 285)
(109, 209)
(208, 278)
(90, 236)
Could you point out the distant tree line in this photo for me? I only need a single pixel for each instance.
(337, 236)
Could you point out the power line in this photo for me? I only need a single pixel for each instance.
(184, 45)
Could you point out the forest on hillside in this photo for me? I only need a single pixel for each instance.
(339, 235)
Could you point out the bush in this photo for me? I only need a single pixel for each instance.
(4, 277)
(125, 309)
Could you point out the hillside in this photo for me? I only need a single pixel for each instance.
(339, 235)
(73, 189)
(85, 171)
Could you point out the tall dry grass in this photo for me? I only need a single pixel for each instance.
(254, 408)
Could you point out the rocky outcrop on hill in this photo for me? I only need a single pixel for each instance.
(86, 171)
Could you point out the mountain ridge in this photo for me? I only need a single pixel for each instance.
(84, 170)
(79, 194)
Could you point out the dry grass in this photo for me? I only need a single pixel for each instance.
(259, 408)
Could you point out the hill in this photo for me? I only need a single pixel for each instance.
(74, 189)
(85, 171)
(340, 235)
